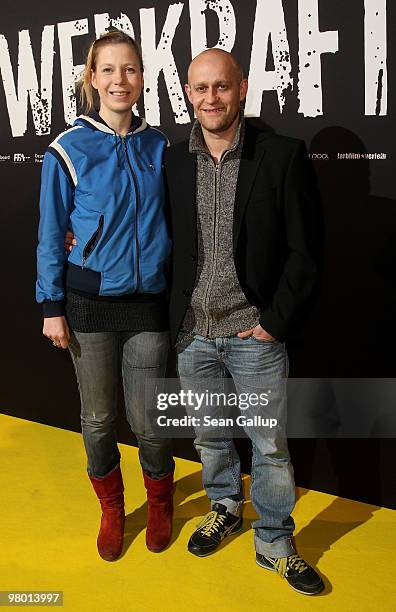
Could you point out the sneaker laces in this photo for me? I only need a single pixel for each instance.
(293, 561)
(211, 523)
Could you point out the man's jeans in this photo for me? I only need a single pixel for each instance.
(97, 358)
(251, 363)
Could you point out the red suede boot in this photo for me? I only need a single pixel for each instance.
(110, 492)
(159, 511)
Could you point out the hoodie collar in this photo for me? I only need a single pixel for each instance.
(94, 120)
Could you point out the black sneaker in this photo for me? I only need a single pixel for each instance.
(301, 576)
(214, 527)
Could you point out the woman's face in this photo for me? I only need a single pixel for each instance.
(117, 78)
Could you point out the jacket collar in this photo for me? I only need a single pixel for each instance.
(95, 121)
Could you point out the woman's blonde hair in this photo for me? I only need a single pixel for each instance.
(88, 94)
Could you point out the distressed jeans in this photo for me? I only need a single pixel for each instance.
(97, 358)
(251, 363)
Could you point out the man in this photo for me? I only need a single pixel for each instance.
(244, 224)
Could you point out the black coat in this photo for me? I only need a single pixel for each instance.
(276, 229)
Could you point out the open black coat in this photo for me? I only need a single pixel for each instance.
(276, 229)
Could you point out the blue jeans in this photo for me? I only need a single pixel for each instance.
(97, 358)
(251, 363)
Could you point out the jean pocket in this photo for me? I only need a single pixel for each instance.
(263, 341)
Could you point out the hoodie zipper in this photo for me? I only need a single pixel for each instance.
(135, 183)
(93, 241)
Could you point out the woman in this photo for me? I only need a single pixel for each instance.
(102, 179)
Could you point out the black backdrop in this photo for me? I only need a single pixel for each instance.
(339, 101)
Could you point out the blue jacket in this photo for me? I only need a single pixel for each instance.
(110, 192)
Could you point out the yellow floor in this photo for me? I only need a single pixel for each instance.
(49, 518)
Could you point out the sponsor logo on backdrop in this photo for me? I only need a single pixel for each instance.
(361, 156)
(344, 155)
(318, 156)
(20, 158)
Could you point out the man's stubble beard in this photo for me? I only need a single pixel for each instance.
(223, 127)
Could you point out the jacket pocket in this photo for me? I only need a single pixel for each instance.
(93, 241)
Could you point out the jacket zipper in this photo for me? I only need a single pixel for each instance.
(135, 183)
(210, 281)
(93, 241)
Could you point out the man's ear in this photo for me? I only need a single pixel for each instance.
(243, 88)
(187, 89)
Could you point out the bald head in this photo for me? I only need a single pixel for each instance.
(220, 54)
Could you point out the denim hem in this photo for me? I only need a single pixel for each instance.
(233, 507)
(105, 476)
(161, 475)
(282, 547)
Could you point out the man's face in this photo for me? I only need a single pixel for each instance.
(215, 90)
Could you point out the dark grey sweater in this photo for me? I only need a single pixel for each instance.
(218, 305)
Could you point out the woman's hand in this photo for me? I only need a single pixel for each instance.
(70, 241)
(57, 330)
